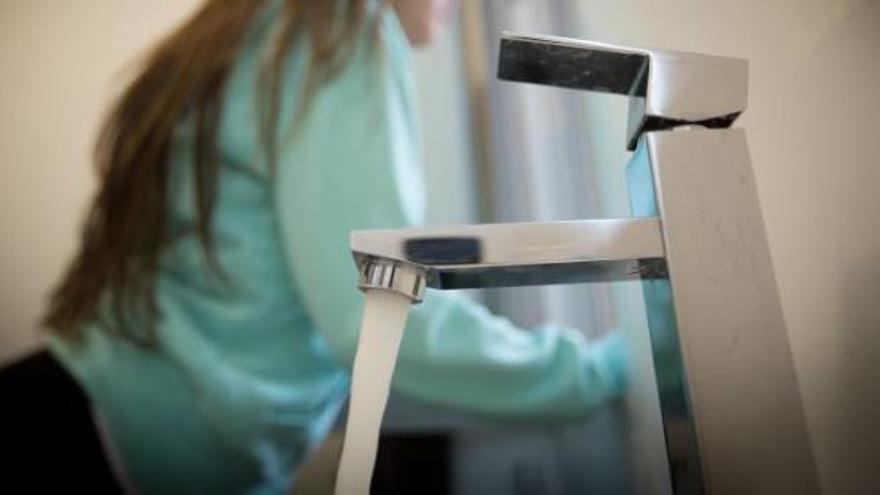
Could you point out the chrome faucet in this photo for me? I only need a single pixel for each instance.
(731, 408)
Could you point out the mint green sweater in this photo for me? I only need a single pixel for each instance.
(247, 379)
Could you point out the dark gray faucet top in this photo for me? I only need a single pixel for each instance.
(666, 88)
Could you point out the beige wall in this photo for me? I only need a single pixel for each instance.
(61, 63)
(812, 128)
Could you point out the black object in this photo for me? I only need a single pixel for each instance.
(49, 437)
(444, 250)
(413, 463)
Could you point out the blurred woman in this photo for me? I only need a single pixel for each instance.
(211, 314)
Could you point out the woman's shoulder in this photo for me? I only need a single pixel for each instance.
(378, 59)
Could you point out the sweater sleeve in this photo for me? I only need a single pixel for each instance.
(349, 164)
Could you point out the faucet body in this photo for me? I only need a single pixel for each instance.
(730, 404)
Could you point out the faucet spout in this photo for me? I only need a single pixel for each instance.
(515, 254)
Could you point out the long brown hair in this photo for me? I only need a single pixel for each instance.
(124, 234)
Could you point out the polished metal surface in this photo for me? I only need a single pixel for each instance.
(502, 255)
(401, 278)
(667, 88)
(730, 403)
(735, 411)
